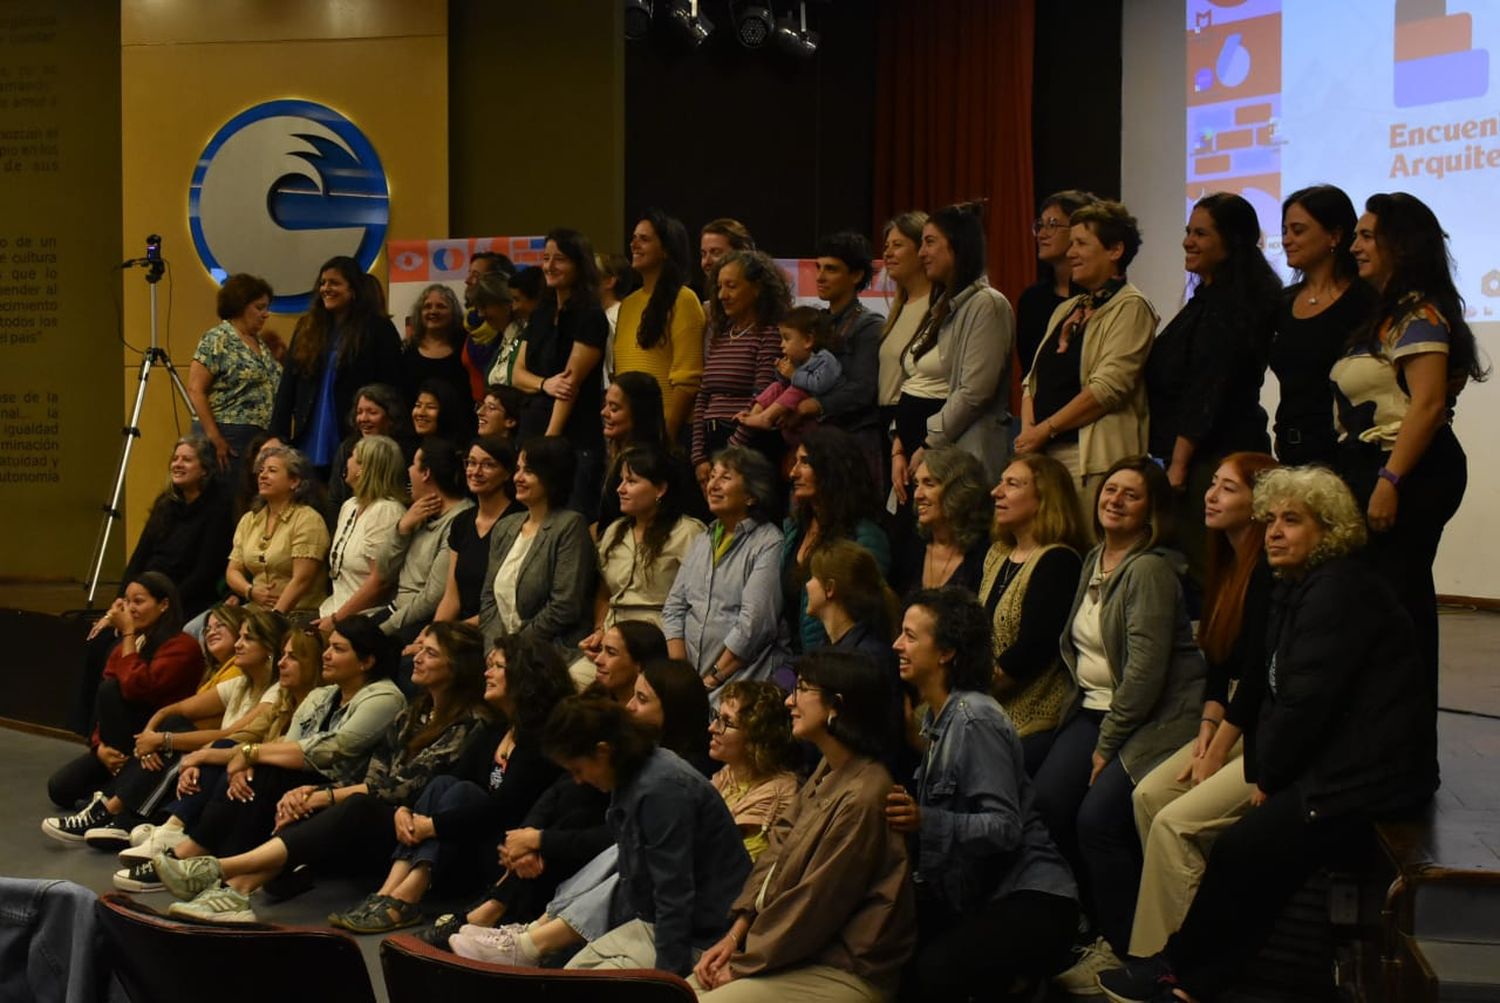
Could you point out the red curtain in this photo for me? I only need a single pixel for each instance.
(953, 120)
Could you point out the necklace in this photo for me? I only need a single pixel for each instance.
(1008, 572)
(949, 563)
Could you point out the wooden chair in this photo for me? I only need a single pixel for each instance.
(416, 972)
(158, 958)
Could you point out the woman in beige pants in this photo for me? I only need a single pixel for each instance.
(1201, 790)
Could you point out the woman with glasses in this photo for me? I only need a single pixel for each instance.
(828, 911)
(488, 467)
(751, 734)
(498, 411)
(1084, 398)
(1055, 284)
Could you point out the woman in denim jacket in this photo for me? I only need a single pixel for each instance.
(995, 900)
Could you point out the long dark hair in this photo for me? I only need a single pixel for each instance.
(455, 410)
(1335, 213)
(963, 227)
(684, 707)
(169, 624)
(576, 247)
(655, 464)
(463, 645)
(536, 681)
(1244, 281)
(310, 337)
(648, 422)
(1421, 271)
(655, 326)
(844, 491)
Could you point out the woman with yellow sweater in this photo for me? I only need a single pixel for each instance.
(660, 327)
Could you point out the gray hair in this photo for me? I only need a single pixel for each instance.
(299, 467)
(759, 477)
(964, 494)
(1325, 496)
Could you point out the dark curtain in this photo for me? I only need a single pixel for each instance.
(953, 120)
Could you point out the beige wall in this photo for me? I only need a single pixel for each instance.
(538, 118)
(59, 245)
(188, 66)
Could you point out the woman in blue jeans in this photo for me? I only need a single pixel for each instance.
(494, 785)
(1138, 675)
(995, 900)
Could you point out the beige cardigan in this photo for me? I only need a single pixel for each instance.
(1116, 342)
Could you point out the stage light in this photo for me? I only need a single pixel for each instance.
(637, 19)
(793, 37)
(693, 26)
(753, 25)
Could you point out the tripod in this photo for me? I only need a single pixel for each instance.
(155, 356)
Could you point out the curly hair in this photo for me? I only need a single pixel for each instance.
(463, 645)
(171, 502)
(536, 680)
(961, 627)
(766, 724)
(310, 336)
(773, 291)
(1326, 498)
(309, 489)
(238, 292)
(964, 491)
(844, 491)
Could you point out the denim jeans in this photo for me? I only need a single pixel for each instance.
(52, 945)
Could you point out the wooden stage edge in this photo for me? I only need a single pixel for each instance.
(43, 730)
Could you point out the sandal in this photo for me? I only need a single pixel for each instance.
(370, 902)
(380, 919)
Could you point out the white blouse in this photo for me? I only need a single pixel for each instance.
(357, 538)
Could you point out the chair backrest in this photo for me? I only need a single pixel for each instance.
(420, 973)
(159, 958)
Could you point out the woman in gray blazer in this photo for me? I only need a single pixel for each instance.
(540, 579)
(1138, 680)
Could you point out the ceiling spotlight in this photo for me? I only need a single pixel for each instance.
(693, 26)
(637, 19)
(753, 25)
(793, 37)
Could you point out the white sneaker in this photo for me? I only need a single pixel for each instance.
(219, 904)
(497, 945)
(141, 833)
(1083, 978)
(161, 839)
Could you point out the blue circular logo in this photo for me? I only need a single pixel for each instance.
(280, 189)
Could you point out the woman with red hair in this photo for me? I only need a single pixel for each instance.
(1186, 801)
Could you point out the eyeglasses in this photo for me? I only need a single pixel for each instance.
(485, 465)
(721, 723)
(489, 406)
(806, 687)
(1038, 226)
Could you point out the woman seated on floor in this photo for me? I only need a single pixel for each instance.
(626, 647)
(996, 902)
(828, 912)
(752, 736)
(220, 634)
(1344, 734)
(354, 822)
(500, 776)
(154, 664)
(138, 789)
(670, 707)
(298, 672)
